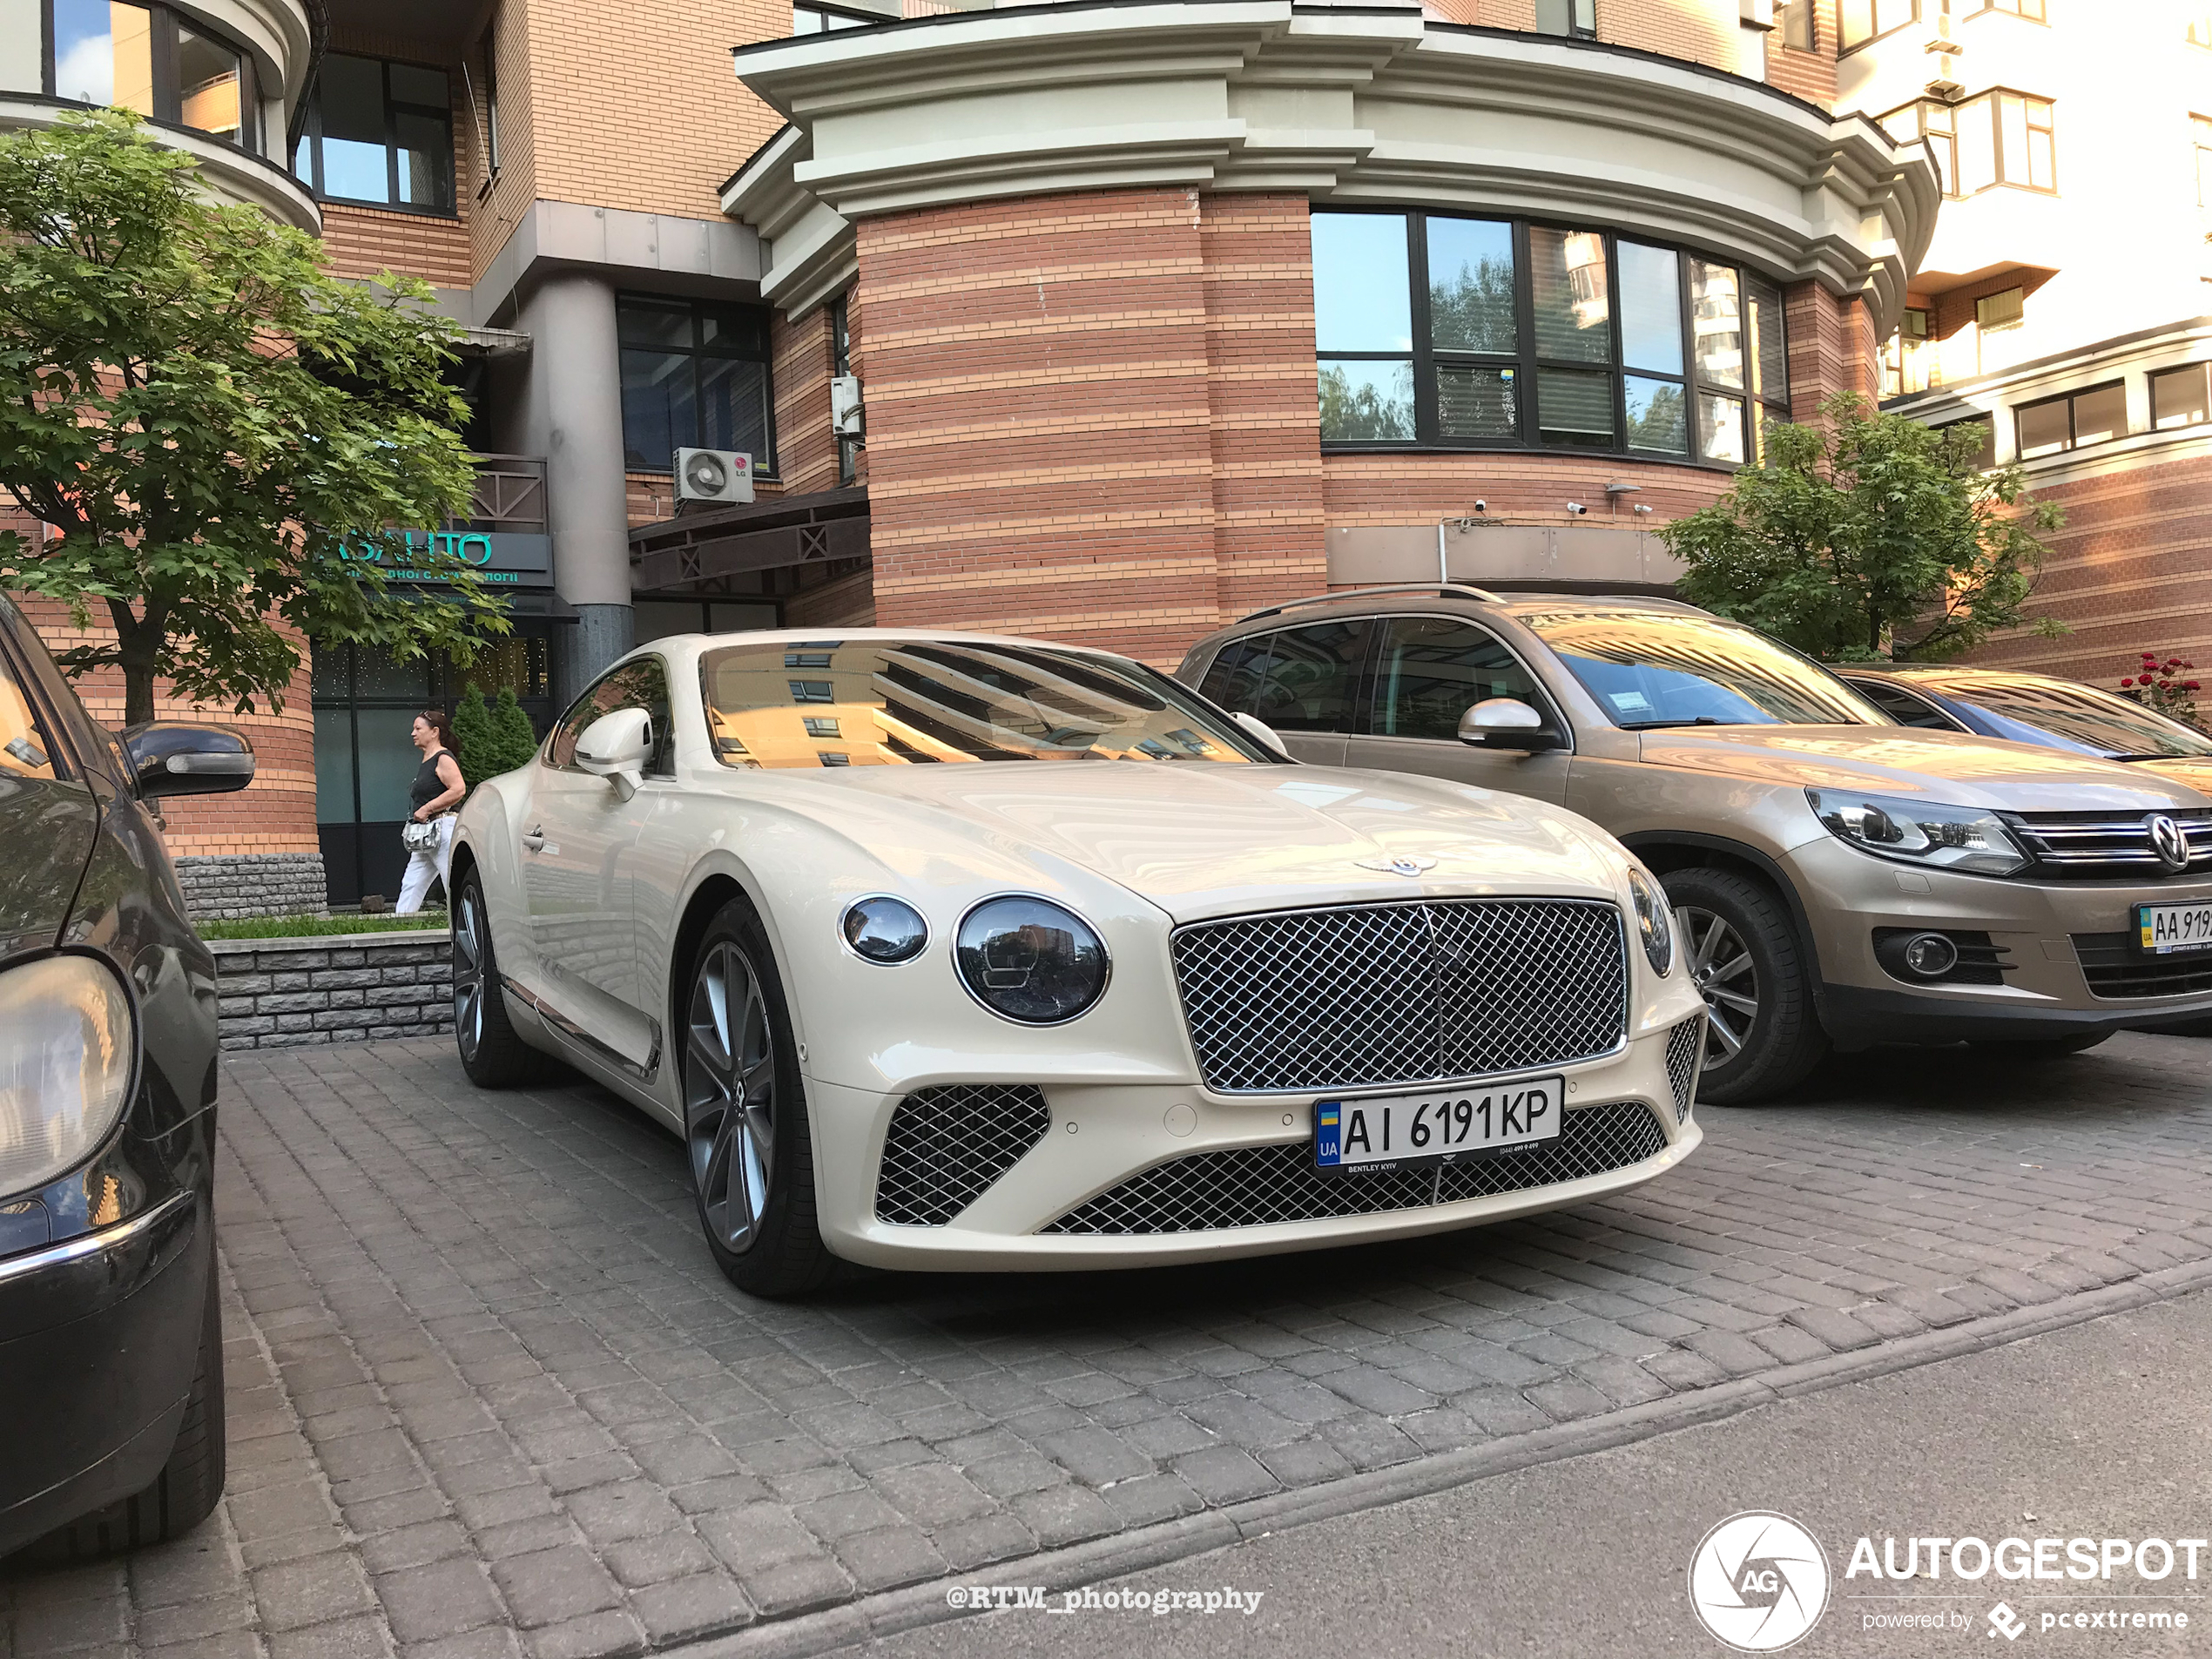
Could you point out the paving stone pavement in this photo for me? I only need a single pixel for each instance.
(487, 1396)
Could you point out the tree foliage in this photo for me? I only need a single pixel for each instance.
(518, 744)
(223, 434)
(1869, 536)
(474, 741)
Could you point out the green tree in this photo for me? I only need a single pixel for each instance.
(518, 744)
(1869, 536)
(221, 433)
(474, 740)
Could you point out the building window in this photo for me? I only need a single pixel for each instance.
(820, 20)
(1908, 362)
(2031, 9)
(694, 375)
(1985, 429)
(1577, 19)
(147, 58)
(1800, 26)
(1998, 318)
(1860, 21)
(2180, 397)
(2201, 30)
(1519, 335)
(848, 450)
(2071, 422)
(379, 132)
(1997, 138)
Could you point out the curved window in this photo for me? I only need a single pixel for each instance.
(1651, 668)
(147, 58)
(1453, 332)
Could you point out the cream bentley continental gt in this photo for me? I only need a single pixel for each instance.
(1139, 990)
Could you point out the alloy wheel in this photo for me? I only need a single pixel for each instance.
(470, 933)
(730, 1095)
(1721, 967)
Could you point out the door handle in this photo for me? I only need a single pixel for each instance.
(534, 839)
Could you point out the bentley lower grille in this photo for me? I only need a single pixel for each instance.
(1422, 992)
(1685, 1047)
(2113, 971)
(946, 1145)
(1253, 1186)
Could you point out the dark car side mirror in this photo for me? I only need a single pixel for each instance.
(1507, 723)
(171, 757)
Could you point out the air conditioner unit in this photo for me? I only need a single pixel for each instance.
(846, 419)
(722, 475)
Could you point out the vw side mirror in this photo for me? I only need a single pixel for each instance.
(617, 746)
(172, 758)
(1506, 723)
(1265, 732)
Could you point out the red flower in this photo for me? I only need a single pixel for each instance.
(2188, 685)
(2172, 662)
(2126, 686)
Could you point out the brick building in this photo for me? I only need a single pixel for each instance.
(1158, 311)
(2063, 303)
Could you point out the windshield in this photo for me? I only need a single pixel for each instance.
(1660, 668)
(885, 702)
(2081, 717)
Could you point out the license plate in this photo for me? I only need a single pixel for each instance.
(1388, 1131)
(2171, 929)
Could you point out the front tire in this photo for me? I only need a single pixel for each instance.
(1763, 1034)
(492, 1051)
(745, 1133)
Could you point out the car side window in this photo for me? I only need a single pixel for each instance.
(1296, 680)
(1433, 670)
(1902, 707)
(639, 685)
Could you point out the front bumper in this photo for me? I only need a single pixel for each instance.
(1101, 1134)
(98, 1339)
(2046, 991)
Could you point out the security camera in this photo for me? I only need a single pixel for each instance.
(1482, 507)
(1576, 508)
(1639, 507)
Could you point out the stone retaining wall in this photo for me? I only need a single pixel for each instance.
(230, 887)
(338, 987)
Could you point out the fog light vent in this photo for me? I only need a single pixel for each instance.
(1940, 956)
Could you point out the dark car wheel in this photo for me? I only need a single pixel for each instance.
(190, 1484)
(1763, 1034)
(745, 1115)
(492, 1053)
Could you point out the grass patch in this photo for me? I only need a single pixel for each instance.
(309, 926)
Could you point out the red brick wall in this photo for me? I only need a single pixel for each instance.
(803, 356)
(366, 241)
(1810, 76)
(1832, 347)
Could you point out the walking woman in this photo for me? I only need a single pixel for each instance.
(437, 794)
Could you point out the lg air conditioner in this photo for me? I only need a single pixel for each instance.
(719, 475)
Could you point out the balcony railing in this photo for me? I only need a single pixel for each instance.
(511, 495)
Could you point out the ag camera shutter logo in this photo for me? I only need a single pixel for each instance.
(1758, 1581)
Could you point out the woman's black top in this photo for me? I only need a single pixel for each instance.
(427, 787)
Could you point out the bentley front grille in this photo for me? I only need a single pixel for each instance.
(1421, 992)
(946, 1145)
(1685, 1047)
(1254, 1186)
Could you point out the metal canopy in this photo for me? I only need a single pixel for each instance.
(688, 557)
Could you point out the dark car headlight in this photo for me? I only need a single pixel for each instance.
(66, 1047)
(884, 930)
(1654, 921)
(1029, 959)
(1972, 839)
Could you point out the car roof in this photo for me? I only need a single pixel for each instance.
(1957, 675)
(792, 638)
(1415, 596)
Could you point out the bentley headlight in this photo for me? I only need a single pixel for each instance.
(65, 1054)
(1971, 839)
(1029, 959)
(1653, 921)
(884, 930)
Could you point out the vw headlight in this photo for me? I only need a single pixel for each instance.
(1029, 959)
(65, 1052)
(1971, 839)
(1654, 922)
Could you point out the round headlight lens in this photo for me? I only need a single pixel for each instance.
(65, 1051)
(883, 930)
(1030, 960)
(1654, 922)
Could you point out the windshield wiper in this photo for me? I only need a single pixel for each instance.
(1703, 719)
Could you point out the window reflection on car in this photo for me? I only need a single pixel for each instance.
(1651, 668)
(835, 703)
(2066, 715)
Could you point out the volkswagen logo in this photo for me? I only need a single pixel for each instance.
(2169, 840)
(1403, 865)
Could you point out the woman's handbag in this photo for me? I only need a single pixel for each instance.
(419, 836)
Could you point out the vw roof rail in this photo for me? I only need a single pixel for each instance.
(1448, 590)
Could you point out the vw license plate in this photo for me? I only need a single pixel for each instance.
(2167, 929)
(1389, 1131)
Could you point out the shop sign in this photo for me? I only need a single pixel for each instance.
(503, 558)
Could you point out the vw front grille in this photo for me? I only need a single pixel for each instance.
(945, 1147)
(1421, 992)
(1685, 1049)
(2116, 970)
(2093, 844)
(1253, 1186)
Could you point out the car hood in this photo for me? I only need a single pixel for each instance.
(2191, 773)
(48, 829)
(1201, 840)
(1951, 767)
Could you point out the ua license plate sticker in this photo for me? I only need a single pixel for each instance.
(2173, 929)
(1390, 1131)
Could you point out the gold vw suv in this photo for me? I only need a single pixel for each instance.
(1839, 879)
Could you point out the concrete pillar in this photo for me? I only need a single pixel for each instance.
(572, 415)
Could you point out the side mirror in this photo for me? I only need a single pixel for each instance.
(170, 757)
(1506, 723)
(617, 746)
(1265, 732)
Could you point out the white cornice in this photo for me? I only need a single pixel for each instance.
(227, 172)
(1346, 104)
